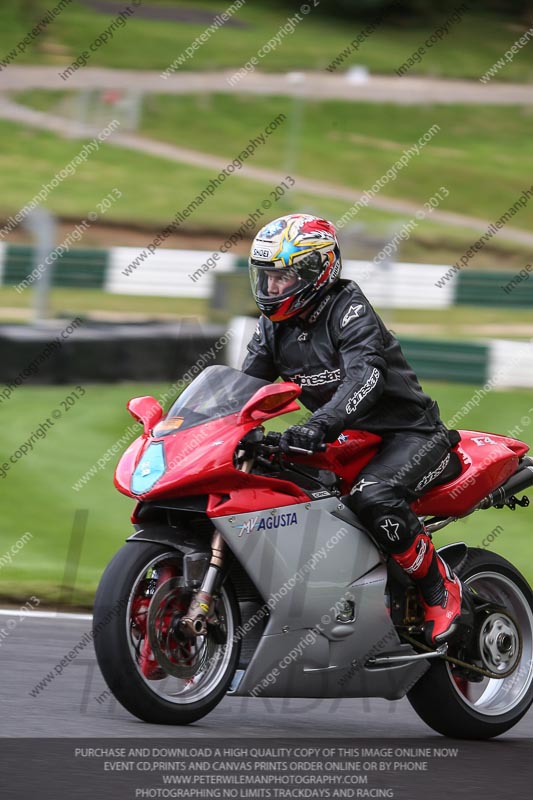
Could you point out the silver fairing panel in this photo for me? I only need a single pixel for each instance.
(307, 561)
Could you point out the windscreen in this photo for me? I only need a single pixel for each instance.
(217, 392)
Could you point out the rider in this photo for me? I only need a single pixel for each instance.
(322, 333)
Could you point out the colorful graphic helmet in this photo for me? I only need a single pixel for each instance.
(294, 260)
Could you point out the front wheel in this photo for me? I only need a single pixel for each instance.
(154, 670)
(464, 706)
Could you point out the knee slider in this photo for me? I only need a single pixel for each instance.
(394, 526)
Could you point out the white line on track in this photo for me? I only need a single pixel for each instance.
(9, 612)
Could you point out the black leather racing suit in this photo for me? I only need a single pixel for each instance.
(353, 374)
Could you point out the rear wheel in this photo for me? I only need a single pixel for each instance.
(153, 669)
(465, 706)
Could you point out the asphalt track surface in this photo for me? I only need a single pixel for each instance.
(68, 705)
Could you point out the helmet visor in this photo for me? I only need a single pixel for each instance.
(271, 284)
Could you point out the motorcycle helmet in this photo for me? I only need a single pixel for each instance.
(294, 260)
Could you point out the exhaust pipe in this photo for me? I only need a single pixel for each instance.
(522, 479)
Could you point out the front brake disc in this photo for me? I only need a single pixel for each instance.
(179, 655)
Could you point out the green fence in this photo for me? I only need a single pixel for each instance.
(79, 268)
(495, 289)
(447, 360)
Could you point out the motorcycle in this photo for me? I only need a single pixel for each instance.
(248, 575)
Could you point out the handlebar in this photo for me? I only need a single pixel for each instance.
(271, 445)
(266, 450)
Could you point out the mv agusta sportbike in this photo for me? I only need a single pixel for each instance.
(247, 575)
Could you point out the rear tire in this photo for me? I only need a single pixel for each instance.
(469, 710)
(155, 695)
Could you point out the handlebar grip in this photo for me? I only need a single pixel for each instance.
(272, 438)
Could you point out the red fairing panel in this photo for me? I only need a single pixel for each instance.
(346, 456)
(200, 461)
(488, 460)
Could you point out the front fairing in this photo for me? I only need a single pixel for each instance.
(194, 443)
(195, 461)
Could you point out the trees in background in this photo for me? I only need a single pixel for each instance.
(395, 9)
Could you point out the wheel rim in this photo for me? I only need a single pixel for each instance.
(498, 643)
(206, 662)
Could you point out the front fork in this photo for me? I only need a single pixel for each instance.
(194, 622)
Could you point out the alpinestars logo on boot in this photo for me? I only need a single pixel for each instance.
(419, 559)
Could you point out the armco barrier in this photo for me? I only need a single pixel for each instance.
(105, 353)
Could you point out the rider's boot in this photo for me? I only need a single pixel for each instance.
(440, 590)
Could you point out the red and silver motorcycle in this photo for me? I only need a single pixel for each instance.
(247, 574)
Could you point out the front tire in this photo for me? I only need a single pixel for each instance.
(463, 709)
(154, 674)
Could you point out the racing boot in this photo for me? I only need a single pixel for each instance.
(440, 590)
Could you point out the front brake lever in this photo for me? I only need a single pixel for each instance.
(300, 451)
(320, 449)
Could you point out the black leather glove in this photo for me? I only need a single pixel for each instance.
(308, 437)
